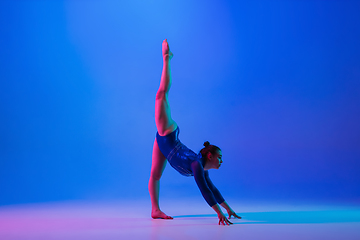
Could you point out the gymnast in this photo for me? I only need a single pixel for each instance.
(167, 147)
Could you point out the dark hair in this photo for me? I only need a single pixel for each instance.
(209, 149)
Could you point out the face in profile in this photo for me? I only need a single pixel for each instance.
(215, 159)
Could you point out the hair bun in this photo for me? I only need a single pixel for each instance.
(206, 144)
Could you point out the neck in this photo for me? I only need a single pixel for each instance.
(206, 165)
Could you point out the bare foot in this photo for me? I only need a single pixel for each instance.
(158, 214)
(167, 54)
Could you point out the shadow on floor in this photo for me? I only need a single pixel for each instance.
(291, 217)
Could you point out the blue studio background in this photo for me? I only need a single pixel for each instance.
(275, 84)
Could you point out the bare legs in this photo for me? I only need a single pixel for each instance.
(163, 120)
(157, 167)
(164, 125)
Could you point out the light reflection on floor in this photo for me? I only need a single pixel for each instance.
(192, 220)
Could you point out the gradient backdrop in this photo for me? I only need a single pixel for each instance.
(276, 84)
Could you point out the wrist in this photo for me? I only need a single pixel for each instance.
(226, 206)
(217, 209)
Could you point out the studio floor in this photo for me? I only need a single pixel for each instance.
(193, 219)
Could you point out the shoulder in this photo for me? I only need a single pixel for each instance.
(198, 168)
(196, 163)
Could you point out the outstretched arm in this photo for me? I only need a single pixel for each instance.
(199, 176)
(219, 197)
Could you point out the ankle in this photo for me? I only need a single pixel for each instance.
(166, 58)
(153, 210)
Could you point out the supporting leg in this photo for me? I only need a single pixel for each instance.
(157, 168)
(164, 125)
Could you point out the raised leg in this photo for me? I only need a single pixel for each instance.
(157, 168)
(164, 123)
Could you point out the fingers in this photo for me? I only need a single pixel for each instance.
(235, 215)
(221, 222)
(224, 221)
(227, 222)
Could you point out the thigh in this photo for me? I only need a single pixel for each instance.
(158, 162)
(164, 123)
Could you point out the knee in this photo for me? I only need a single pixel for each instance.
(155, 176)
(161, 95)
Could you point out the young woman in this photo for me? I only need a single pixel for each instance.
(167, 147)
